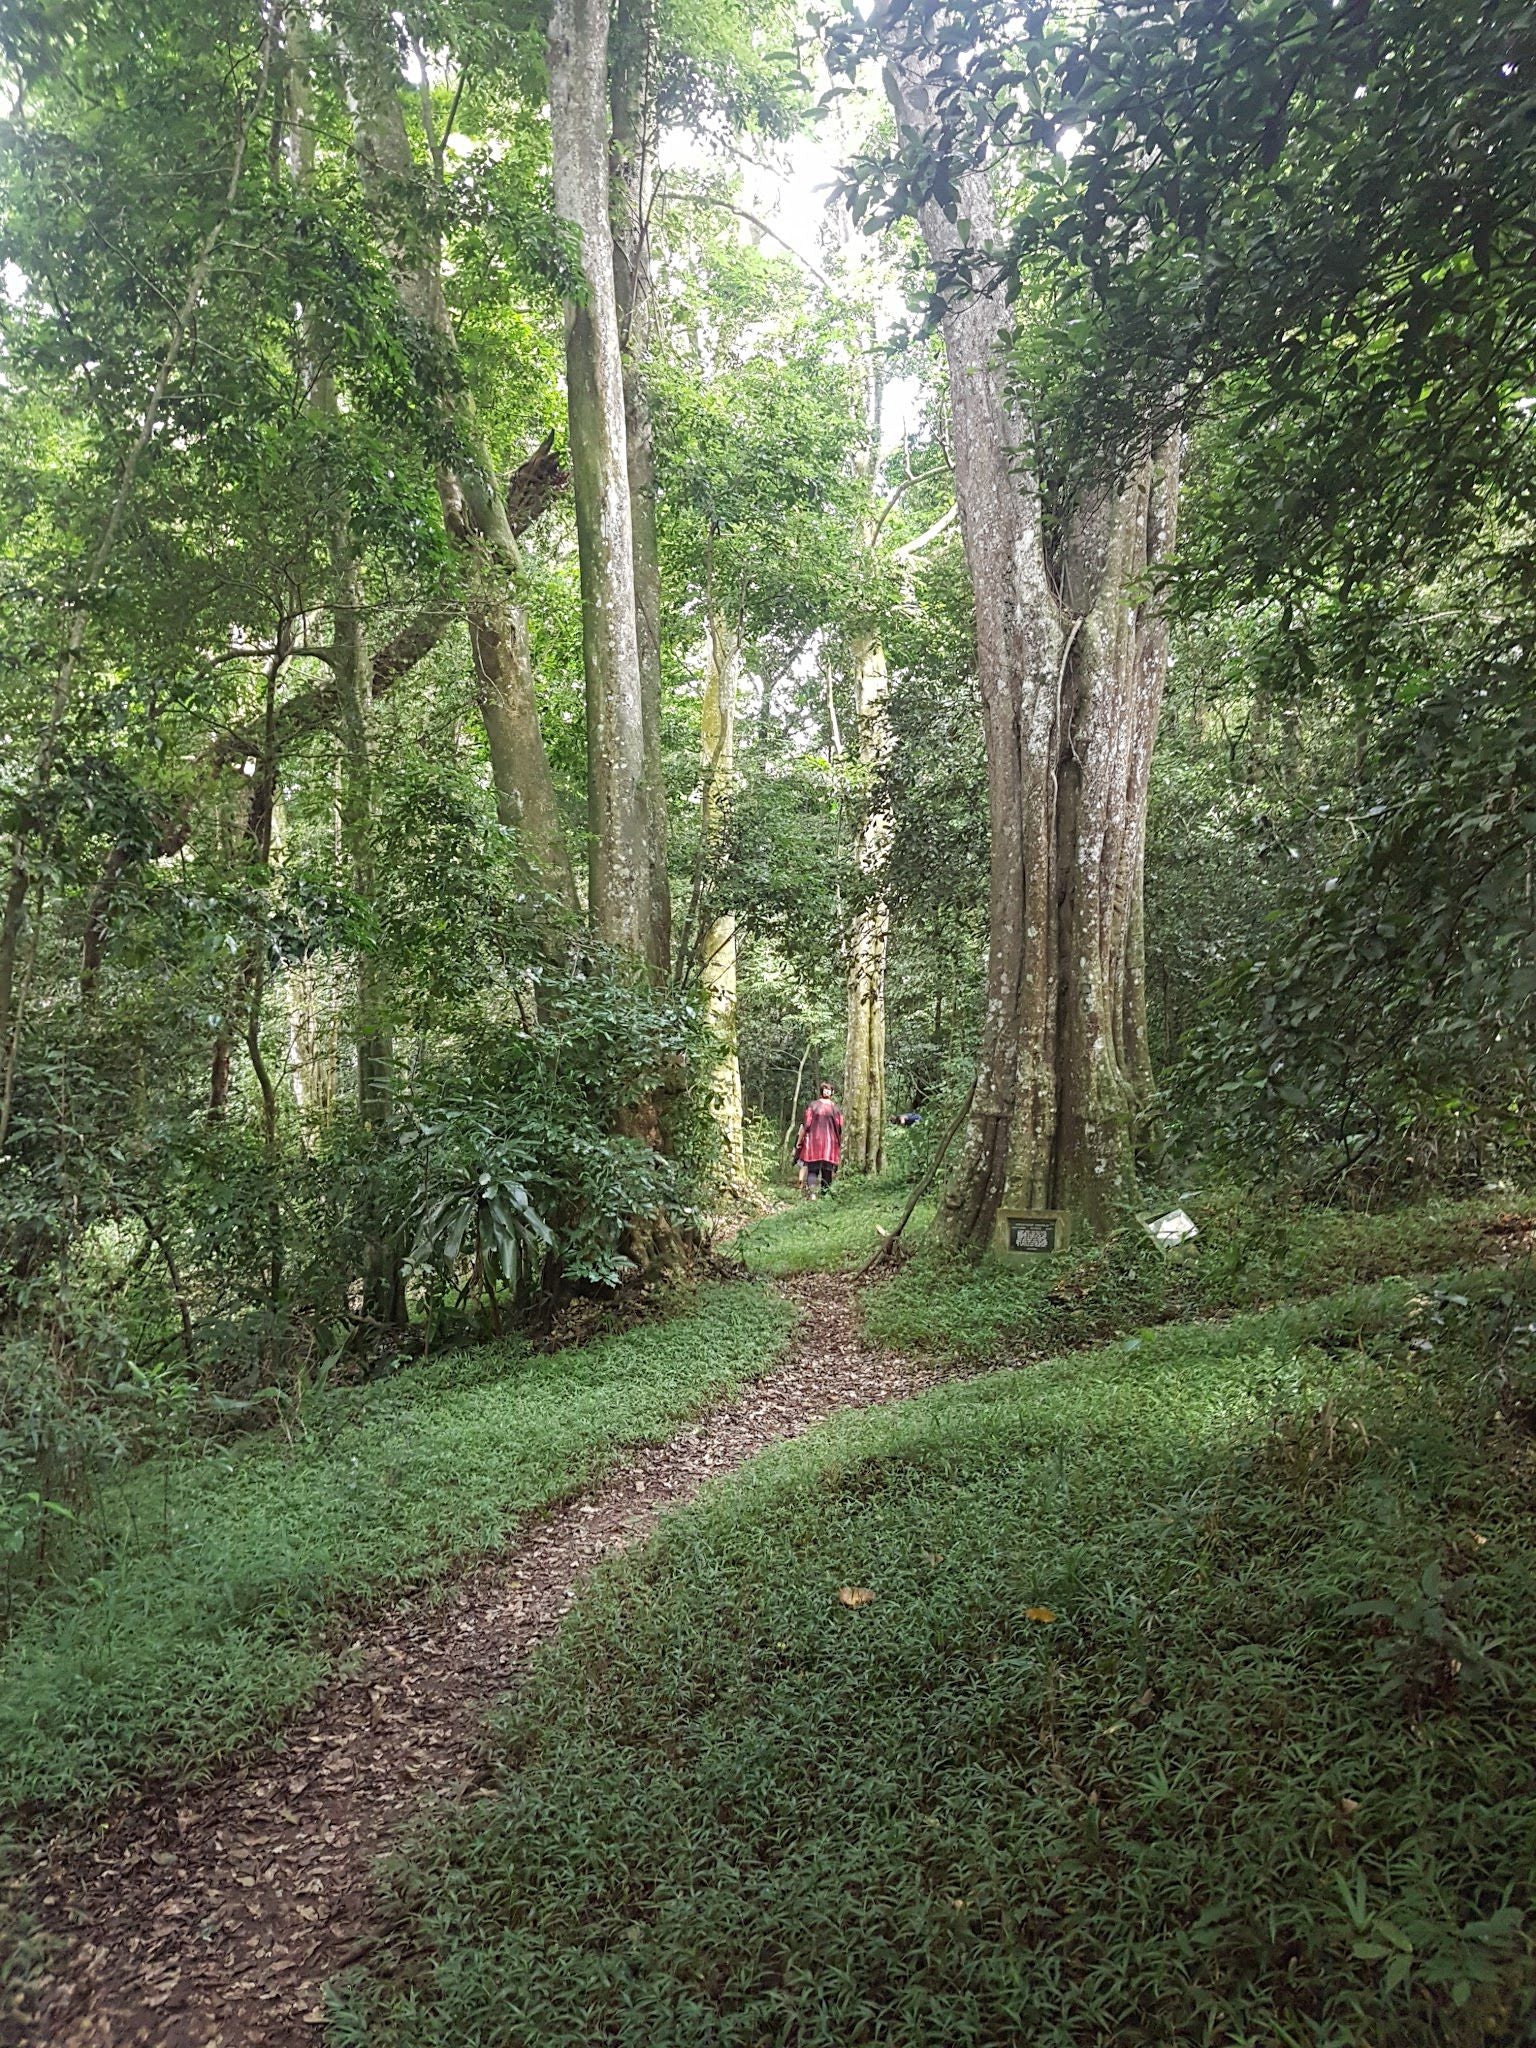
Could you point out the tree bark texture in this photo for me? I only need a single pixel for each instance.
(717, 939)
(474, 510)
(352, 670)
(869, 939)
(384, 1292)
(618, 811)
(633, 72)
(1070, 656)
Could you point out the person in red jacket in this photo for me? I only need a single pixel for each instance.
(820, 1149)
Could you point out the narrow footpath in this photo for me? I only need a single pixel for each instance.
(213, 1917)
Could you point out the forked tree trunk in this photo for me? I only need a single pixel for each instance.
(474, 512)
(717, 940)
(1070, 657)
(634, 74)
(869, 940)
(618, 810)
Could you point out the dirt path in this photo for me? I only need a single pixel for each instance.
(213, 1918)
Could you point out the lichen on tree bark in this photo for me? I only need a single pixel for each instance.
(869, 939)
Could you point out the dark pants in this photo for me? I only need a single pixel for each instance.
(818, 1175)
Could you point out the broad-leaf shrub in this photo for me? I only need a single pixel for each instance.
(1391, 1035)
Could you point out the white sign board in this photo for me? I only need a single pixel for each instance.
(1176, 1227)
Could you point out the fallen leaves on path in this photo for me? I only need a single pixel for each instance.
(212, 1917)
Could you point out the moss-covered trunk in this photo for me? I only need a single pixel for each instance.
(635, 71)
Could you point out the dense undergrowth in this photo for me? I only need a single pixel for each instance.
(190, 1614)
(1251, 1252)
(1192, 1703)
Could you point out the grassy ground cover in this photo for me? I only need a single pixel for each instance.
(1248, 1255)
(203, 1619)
(833, 1234)
(1191, 1704)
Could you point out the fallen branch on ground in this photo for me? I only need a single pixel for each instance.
(888, 1245)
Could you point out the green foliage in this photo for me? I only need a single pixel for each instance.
(543, 1108)
(491, 1220)
(1251, 1252)
(1391, 1034)
(1191, 1703)
(197, 1605)
(838, 1231)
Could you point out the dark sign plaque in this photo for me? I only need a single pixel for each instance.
(1031, 1233)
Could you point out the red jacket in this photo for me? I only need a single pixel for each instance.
(821, 1135)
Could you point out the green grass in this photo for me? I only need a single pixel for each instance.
(833, 1234)
(206, 1620)
(1193, 1705)
(1249, 1254)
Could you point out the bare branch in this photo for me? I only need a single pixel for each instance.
(754, 220)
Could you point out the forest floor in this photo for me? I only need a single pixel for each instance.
(212, 1917)
(700, 1718)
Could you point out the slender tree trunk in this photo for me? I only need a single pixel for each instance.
(633, 73)
(717, 940)
(250, 967)
(647, 548)
(384, 1298)
(474, 511)
(352, 670)
(619, 850)
(869, 941)
(1070, 659)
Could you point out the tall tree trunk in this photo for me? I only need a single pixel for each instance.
(1111, 698)
(474, 511)
(634, 71)
(383, 1289)
(619, 853)
(717, 939)
(1070, 659)
(352, 673)
(869, 940)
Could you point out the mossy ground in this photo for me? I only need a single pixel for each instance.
(834, 1234)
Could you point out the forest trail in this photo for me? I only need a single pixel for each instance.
(213, 1917)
